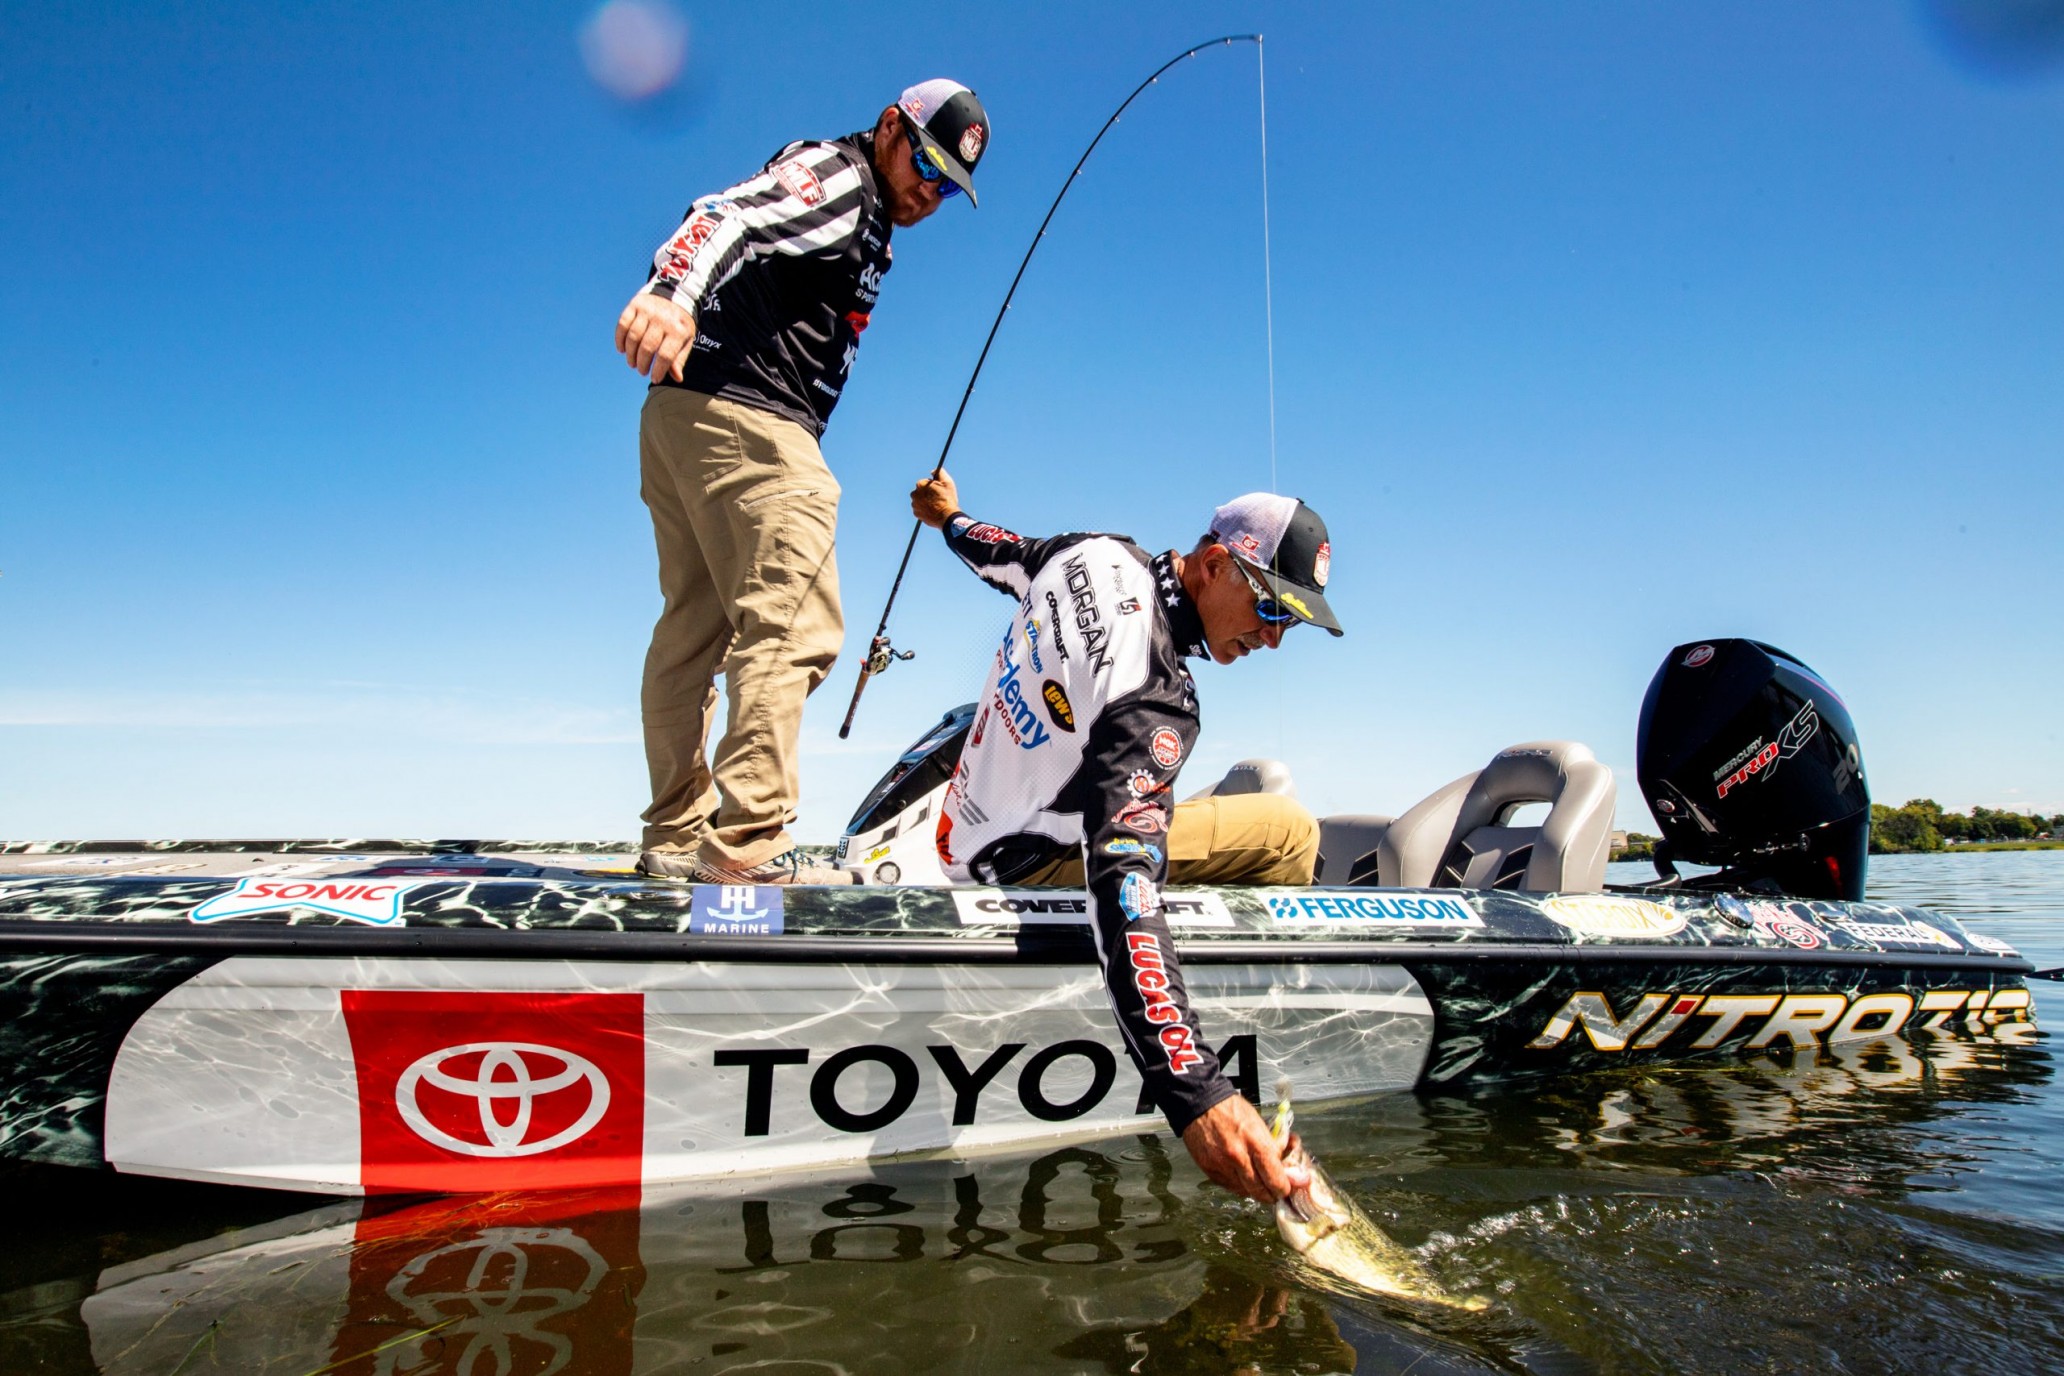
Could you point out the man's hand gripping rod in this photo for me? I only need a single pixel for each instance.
(880, 653)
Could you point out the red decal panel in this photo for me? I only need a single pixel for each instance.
(478, 1092)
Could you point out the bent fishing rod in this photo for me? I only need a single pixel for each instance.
(880, 653)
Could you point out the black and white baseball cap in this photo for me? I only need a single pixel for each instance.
(951, 124)
(1285, 544)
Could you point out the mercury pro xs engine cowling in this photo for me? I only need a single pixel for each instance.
(1750, 762)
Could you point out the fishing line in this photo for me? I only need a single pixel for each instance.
(1268, 303)
(880, 653)
(1268, 285)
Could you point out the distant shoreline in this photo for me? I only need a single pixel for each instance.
(1648, 852)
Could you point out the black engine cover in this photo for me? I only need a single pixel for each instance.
(1750, 761)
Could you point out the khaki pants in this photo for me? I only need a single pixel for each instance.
(1242, 838)
(743, 511)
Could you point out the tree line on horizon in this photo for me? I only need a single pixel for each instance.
(1921, 825)
(1918, 825)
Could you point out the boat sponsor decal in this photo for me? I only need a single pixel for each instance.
(1760, 759)
(1057, 705)
(1066, 907)
(1166, 747)
(1012, 709)
(1372, 910)
(1048, 1083)
(1597, 914)
(1911, 932)
(1698, 657)
(376, 902)
(482, 1091)
(1137, 897)
(1798, 1019)
(1784, 922)
(1992, 944)
(1088, 621)
(1150, 978)
(738, 909)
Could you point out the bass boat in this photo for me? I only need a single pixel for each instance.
(368, 1016)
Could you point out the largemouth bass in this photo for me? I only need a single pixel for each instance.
(1323, 1226)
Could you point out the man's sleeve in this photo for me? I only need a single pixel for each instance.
(1006, 562)
(1129, 774)
(809, 201)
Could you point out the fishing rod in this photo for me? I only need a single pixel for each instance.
(880, 653)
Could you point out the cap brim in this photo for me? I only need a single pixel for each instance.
(1308, 603)
(959, 175)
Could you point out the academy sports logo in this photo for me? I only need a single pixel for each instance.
(377, 902)
(477, 1092)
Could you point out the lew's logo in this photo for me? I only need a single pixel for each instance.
(375, 901)
(1057, 705)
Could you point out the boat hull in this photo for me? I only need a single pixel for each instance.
(570, 1028)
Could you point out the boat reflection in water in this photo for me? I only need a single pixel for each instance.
(1110, 1255)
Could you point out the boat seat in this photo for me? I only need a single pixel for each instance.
(1348, 849)
(1460, 837)
(1251, 776)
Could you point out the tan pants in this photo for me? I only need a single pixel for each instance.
(743, 511)
(1243, 838)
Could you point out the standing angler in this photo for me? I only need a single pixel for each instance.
(1070, 765)
(748, 327)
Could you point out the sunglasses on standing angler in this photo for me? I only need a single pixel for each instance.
(927, 164)
(1271, 611)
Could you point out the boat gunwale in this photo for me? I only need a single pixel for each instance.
(1049, 946)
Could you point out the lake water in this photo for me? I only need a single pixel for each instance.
(1898, 1208)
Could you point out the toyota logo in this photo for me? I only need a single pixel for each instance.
(505, 1088)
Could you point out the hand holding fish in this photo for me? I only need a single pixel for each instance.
(1232, 1145)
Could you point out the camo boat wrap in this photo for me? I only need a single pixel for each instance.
(388, 1017)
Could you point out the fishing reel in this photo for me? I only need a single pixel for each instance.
(881, 654)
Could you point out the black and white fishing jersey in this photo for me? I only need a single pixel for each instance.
(1087, 714)
(781, 273)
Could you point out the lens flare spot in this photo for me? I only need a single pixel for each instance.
(635, 49)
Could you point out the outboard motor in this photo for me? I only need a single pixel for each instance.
(890, 839)
(1750, 762)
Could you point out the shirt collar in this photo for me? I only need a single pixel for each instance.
(1185, 622)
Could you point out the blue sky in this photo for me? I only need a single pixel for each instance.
(1598, 328)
